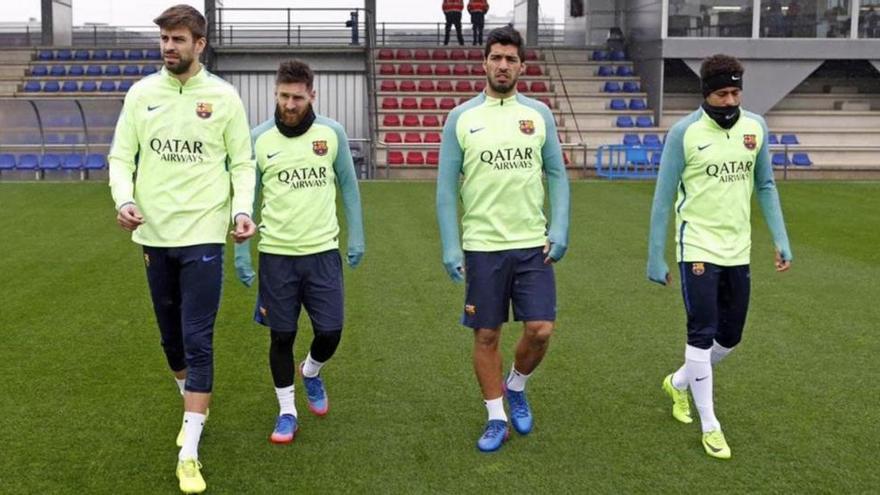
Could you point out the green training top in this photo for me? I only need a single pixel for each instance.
(175, 152)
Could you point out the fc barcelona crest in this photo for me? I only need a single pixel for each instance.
(319, 147)
(698, 269)
(527, 127)
(750, 141)
(204, 110)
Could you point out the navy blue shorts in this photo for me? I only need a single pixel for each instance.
(494, 279)
(287, 283)
(716, 299)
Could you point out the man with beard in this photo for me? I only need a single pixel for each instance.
(181, 139)
(714, 158)
(501, 142)
(301, 157)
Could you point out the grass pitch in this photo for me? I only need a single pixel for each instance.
(87, 405)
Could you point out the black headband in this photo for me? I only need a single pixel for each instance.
(723, 80)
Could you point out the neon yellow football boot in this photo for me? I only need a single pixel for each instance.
(716, 445)
(681, 406)
(190, 475)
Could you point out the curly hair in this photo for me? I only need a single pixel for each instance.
(720, 64)
(295, 71)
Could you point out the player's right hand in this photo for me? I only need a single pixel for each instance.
(129, 217)
(783, 261)
(454, 265)
(658, 272)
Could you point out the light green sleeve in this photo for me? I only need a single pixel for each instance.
(122, 155)
(240, 159)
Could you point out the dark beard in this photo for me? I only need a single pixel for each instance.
(502, 88)
(181, 67)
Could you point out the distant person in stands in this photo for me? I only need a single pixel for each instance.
(477, 9)
(452, 10)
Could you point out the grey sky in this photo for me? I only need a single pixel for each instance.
(122, 12)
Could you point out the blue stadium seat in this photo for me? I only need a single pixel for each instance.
(637, 104)
(135, 54)
(50, 161)
(801, 160)
(631, 140)
(7, 161)
(655, 158)
(611, 87)
(95, 161)
(617, 56)
(112, 70)
(81, 55)
(788, 139)
(32, 86)
(95, 70)
(148, 69)
(780, 159)
(600, 55)
(131, 70)
(76, 71)
(39, 71)
(617, 104)
(772, 139)
(153, 54)
(604, 71)
(51, 87)
(75, 138)
(99, 55)
(644, 121)
(46, 55)
(125, 85)
(70, 87)
(652, 140)
(64, 54)
(624, 71)
(630, 87)
(117, 54)
(625, 122)
(107, 86)
(637, 156)
(58, 71)
(72, 161)
(27, 162)
(89, 87)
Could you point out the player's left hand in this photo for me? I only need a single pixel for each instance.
(245, 228)
(355, 255)
(783, 261)
(554, 252)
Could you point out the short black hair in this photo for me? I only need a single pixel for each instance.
(506, 35)
(295, 71)
(720, 64)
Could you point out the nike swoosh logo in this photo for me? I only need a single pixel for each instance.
(206, 259)
(477, 129)
(150, 109)
(734, 78)
(269, 157)
(712, 448)
(701, 379)
(701, 148)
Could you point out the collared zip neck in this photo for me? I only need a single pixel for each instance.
(194, 80)
(491, 100)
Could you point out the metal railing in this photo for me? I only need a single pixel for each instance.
(621, 161)
(434, 33)
(289, 26)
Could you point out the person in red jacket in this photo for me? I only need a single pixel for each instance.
(452, 10)
(478, 9)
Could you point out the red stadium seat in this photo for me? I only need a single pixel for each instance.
(387, 70)
(475, 54)
(433, 157)
(421, 54)
(411, 121)
(457, 54)
(521, 86)
(479, 86)
(534, 70)
(386, 54)
(432, 137)
(538, 87)
(415, 158)
(388, 85)
(531, 55)
(407, 86)
(425, 70)
(426, 85)
(478, 70)
(395, 158)
(463, 87)
(439, 54)
(391, 120)
(405, 70)
(444, 86)
(404, 54)
(409, 103)
(460, 70)
(442, 70)
(428, 104)
(392, 137)
(430, 121)
(389, 103)
(412, 138)
(447, 104)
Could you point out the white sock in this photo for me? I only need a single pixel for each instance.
(285, 400)
(496, 409)
(192, 432)
(516, 381)
(311, 368)
(699, 371)
(680, 378)
(719, 352)
(181, 383)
